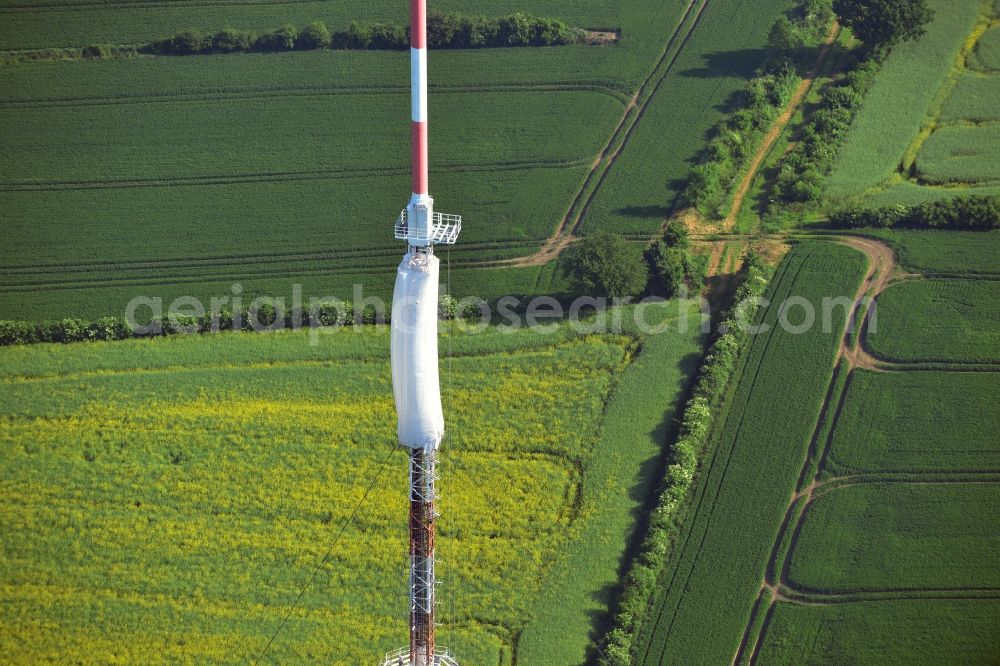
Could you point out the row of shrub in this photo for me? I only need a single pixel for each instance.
(262, 319)
(736, 138)
(645, 571)
(801, 175)
(975, 212)
(444, 30)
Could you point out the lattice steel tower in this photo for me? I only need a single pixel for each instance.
(415, 381)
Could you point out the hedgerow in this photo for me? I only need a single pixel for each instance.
(975, 212)
(699, 415)
(444, 31)
(261, 319)
(803, 169)
(736, 138)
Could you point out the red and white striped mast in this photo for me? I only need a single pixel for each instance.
(415, 380)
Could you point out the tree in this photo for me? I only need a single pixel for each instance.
(785, 36)
(188, 42)
(283, 39)
(314, 36)
(676, 235)
(605, 264)
(229, 41)
(515, 30)
(441, 28)
(881, 24)
(671, 266)
(359, 36)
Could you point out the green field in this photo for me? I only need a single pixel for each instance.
(896, 107)
(885, 632)
(960, 154)
(911, 140)
(887, 552)
(696, 93)
(916, 422)
(170, 176)
(165, 500)
(899, 536)
(154, 142)
(751, 470)
(953, 252)
(938, 320)
(975, 98)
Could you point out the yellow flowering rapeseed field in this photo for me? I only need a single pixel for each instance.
(164, 501)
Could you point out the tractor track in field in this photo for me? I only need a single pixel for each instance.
(883, 271)
(305, 91)
(564, 234)
(277, 176)
(141, 4)
(196, 270)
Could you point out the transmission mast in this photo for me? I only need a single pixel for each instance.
(415, 381)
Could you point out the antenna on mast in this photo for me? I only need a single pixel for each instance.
(415, 380)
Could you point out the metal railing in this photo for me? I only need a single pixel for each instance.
(444, 229)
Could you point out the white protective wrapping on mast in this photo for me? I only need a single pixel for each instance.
(415, 382)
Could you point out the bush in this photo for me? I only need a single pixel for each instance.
(314, 36)
(16, 333)
(441, 28)
(108, 328)
(336, 313)
(705, 188)
(605, 264)
(672, 263)
(188, 42)
(230, 41)
(96, 51)
(282, 39)
(516, 30)
(389, 37)
(359, 36)
(671, 267)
